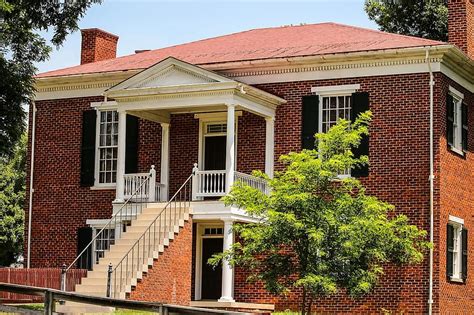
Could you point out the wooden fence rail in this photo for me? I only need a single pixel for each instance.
(51, 296)
(37, 277)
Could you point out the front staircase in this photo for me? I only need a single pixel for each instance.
(150, 228)
(95, 283)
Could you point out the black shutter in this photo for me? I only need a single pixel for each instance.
(310, 121)
(89, 118)
(84, 237)
(464, 119)
(360, 104)
(131, 145)
(464, 254)
(450, 120)
(450, 251)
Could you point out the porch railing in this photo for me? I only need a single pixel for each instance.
(210, 183)
(252, 181)
(213, 183)
(150, 191)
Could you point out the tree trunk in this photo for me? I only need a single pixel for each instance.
(303, 304)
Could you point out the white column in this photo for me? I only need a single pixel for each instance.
(227, 272)
(230, 152)
(122, 125)
(165, 158)
(269, 145)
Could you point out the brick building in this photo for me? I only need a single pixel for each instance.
(118, 137)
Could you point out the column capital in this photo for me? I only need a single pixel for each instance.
(270, 119)
(230, 105)
(165, 124)
(228, 220)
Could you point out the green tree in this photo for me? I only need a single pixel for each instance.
(422, 18)
(12, 198)
(21, 47)
(318, 231)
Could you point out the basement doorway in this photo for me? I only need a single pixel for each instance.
(209, 241)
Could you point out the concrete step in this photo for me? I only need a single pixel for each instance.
(100, 289)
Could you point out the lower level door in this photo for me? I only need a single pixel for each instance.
(211, 282)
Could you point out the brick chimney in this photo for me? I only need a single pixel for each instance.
(97, 45)
(461, 25)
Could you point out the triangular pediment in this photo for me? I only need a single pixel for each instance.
(170, 72)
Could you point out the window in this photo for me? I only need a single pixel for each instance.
(103, 242)
(213, 231)
(334, 108)
(107, 147)
(456, 261)
(456, 121)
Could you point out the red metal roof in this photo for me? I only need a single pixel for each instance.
(265, 43)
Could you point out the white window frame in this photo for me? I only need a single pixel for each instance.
(97, 183)
(97, 225)
(200, 227)
(458, 99)
(209, 119)
(334, 91)
(457, 224)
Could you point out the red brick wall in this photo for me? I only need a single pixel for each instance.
(169, 281)
(97, 45)
(60, 205)
(399, 154)
(184, 147)
(461, 25)
(457, 199)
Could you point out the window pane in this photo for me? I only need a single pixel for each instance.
(108, 146)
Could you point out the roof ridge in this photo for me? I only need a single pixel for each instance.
(384, 32)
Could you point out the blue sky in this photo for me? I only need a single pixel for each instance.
(148, 24)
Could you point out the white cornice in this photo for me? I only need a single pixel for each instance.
(443, 58)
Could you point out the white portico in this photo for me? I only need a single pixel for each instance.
(173, 87)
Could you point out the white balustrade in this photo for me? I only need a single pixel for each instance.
(252, 181)
(213, 183)
(149, 190)
(210, 183)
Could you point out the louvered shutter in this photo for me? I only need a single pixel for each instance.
(464, 254)
(84, 237)
(450, 251)
(310, 121)
(450, 120)
(131, 145)
(360, 104)
(464, 114)
(89, 118)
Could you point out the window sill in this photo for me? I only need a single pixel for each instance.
(108, 187)
(457, 151)
(456, 279)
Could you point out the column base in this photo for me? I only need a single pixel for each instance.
(226, 299)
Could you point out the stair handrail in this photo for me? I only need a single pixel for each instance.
(113, 218)
(148, 230)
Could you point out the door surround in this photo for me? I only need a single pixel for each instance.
(213, 118)
(200, 228)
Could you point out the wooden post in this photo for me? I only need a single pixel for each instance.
(230, 149)
(195, 182)
(152, 185)
(49, 307)
(121, 156)
(165, 158)
(269, 145)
